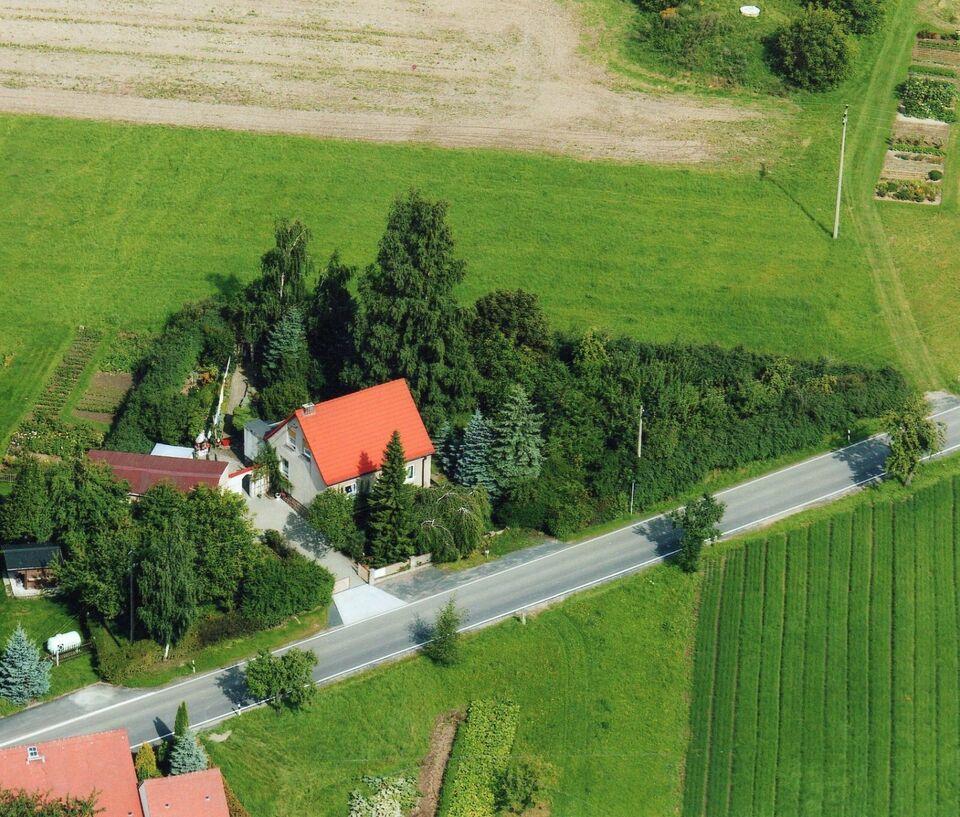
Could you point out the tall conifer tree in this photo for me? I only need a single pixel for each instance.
(516, 450)
(474, 467)
(391, 508)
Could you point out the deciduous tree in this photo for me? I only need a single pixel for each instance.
(814, 51)
(444, 645)
(913, 436)
(166, 578)
(698, 522)
(282, 679)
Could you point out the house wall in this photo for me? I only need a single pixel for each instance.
(420, 477)
(305, 479)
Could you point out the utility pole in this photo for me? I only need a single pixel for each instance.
(843, 145)
(633, 483)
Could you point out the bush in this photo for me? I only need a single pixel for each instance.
(814, 51)
(519, 785)
(479, 758)
(928, 98)
(277, 400)
(332, 514)
(907, 190)
(694, 39)
(858, 16)
(118, 661)
(935, 175)
(284, 587)
(219, 627)
(277, 542)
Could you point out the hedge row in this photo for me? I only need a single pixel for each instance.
(480, 755)
(280, 588)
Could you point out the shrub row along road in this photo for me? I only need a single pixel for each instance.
(487, 597)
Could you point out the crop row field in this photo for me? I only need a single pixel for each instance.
(826, 668)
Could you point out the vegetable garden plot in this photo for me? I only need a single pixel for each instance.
(913, 168)
(843, 682)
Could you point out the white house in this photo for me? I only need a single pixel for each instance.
(339, 444)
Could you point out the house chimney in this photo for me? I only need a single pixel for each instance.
(307, 408)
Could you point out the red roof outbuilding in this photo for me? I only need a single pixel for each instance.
(143, 471)
(77, 767)
(185, 795)
(347, 435)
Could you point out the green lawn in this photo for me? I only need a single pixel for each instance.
(42, 618)
(594, 678)
(115, 226)
(826, 665)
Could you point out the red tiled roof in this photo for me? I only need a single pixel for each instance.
(347, 435)
(143, 471)
(197, 794)
(78, 767)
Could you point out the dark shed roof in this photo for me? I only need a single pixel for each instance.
(29, 555)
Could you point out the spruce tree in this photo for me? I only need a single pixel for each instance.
(27, 512)
(448, 444)
(285, 356)
(187, 754)
(146, 763)
(24, 674)
(391, 508)
(474, 467)
(516, 451)
(167, 571)
(409, 323)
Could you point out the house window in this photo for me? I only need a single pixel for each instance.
(409, 472)
(306, 453)
(291, 438)
(284, 467)
(349, 489)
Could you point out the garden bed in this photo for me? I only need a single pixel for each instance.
(913, 166)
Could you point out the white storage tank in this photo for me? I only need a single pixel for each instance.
(64, 642)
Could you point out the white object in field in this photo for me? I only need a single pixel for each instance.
(750, 11)
(63, 642)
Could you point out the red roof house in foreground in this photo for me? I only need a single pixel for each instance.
(77, 767)
(339, 443)
(187, 795)
(143, 471)
(101, 764)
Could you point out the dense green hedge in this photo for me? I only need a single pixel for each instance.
(480, 755)
(280, 588)
(158, 408)
(704, 408)
(117, 662)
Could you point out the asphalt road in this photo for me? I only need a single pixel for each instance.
(486, 593)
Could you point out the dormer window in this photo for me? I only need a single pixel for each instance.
(33, 753)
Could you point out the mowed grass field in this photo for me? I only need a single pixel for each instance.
(116, 226)
(826, 670)
(596, 680)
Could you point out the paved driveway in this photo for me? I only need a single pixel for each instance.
(275, 514)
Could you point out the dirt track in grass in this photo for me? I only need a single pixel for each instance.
(463, 73)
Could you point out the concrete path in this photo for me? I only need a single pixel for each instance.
(485, 596)
(275, 514)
